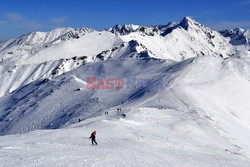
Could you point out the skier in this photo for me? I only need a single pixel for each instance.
(93, 134)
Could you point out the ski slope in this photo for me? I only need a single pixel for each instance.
(147, 137)
(188, 123)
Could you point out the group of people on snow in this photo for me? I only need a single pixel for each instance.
(93, 134)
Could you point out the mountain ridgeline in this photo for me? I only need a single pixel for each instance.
(43, 74)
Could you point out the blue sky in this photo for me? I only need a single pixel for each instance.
(22, 16)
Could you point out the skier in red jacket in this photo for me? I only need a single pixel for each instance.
(93, 134)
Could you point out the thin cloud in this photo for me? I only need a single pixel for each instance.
(229, 25)
(3, 22)
(16, 20)
(13, 17)
(58, 20)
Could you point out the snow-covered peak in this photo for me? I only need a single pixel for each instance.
(149, 30)
(124, 29)
(238, 36)
(44, 38)
(190, 24)
(40, 37)
(76, 33)
(35, 42)
(186, 22)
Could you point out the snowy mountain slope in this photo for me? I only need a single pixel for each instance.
(218, 90)
(147, 137)
(238, 36)
(192, 87)
(88, 45)
(34, 97)
(183, 40)
(36, 41)
(175, 41)
(18, 74)
(42, 63)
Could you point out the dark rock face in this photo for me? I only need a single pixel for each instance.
(238, 36)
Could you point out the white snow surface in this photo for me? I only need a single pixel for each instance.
(147, 137)
(190, 106)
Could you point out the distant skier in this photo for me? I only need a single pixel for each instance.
(93, 134)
